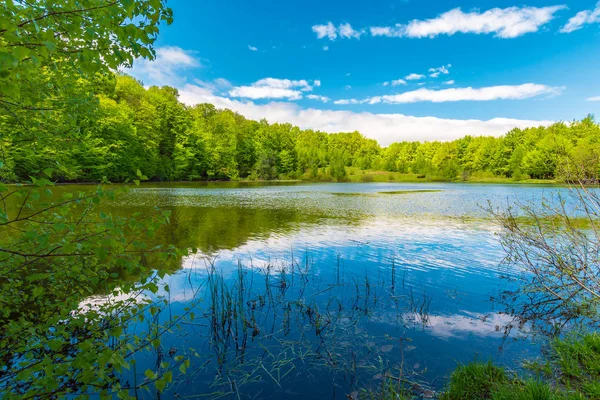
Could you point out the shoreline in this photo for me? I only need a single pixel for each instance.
(507, 181)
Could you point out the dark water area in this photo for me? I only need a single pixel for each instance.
(319, 290)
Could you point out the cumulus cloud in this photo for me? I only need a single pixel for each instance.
(435, 72)
(215, 85)
(272, 88)
(396, 82)
(389, 31)
(349, 101)
(595, 98)
(252, 48)
(166, 68)
(331, 32)
(505, 92)
(324, 99)
(328, 31)
(504, 23)
(414, 77)
(385, 128)
(582, 18)
(346, 31)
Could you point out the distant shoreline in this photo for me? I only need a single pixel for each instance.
(376, 177)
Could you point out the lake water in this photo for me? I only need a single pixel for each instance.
(319, 290)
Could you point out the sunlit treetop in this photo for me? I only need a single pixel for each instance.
(68, 39)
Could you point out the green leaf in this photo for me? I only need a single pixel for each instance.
(150, 374)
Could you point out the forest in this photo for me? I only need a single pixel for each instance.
(122, 127)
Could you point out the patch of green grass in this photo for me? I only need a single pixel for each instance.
(576, 362)
(474, 381)
(352, 194)
(571, 371)
(359, 175)
(529, 390)
(367, 194)
(411, 191)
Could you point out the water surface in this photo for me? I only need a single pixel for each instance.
(317, 290)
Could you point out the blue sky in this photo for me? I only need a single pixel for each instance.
(343, 66)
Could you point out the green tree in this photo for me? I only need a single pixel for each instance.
(56, 91)
(337, 166)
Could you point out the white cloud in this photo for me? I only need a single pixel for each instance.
(347, 87)
(395, 31)
(582, 18)
(265, 92)
(386, 128)
(396, 82)
(272, 88)
(435, 72)
(214, 85)
(595, 98)
(346, 31)
(450, 82)
(414, 77)
(252, 48)
(325, 48)
(222, 82)
(166, 68)
(328, 31)
(505, 23)
(324, 99)
(349, 101)
(505, 92)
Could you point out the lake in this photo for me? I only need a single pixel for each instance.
(321, 290)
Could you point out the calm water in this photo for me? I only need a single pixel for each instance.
(317, 290)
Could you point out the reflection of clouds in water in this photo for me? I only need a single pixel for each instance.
(100, 302)
(418, 245)
(460, 326)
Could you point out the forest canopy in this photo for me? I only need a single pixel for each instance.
(125, 127)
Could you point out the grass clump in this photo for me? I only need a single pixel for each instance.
(576, 363)
(411, 191)
(474, 381)
(529, 390)
(570, 371)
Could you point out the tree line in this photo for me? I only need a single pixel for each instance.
(124, 127)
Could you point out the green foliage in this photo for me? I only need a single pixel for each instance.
(45, 44)
(337, 166)
(63, 318)
(54, 254)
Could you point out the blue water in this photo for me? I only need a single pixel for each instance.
(333, 287)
